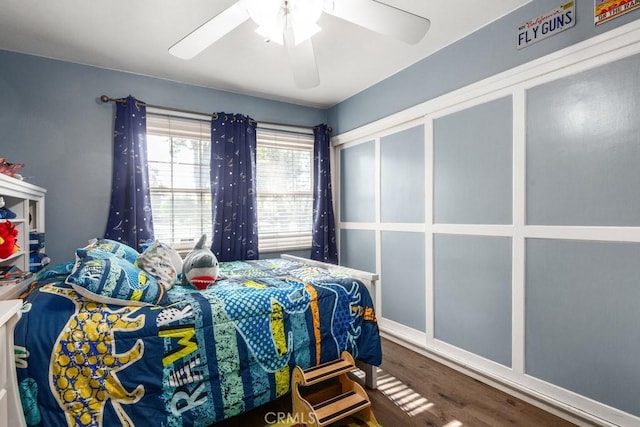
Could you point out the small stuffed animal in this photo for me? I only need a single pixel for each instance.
(5, 213)
(8, 234)
(200, 266)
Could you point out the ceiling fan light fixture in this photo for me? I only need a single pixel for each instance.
(263, 12)
(269, 16)
(294, 22)
(304, 18)
(272, 32)
(275, 16)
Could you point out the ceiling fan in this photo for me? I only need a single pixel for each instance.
(293, 22)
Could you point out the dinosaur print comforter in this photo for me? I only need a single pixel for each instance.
(204, 357)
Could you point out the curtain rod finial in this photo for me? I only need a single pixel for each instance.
(104, 98)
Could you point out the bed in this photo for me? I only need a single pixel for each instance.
(196, 359)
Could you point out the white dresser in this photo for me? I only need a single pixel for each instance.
(10, 408)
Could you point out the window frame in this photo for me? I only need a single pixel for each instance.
(268, 135)
(294, 138)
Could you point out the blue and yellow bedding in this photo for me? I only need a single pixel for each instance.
(199, 358)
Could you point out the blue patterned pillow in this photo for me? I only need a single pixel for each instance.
(119, 249)
(52, 271)
(109, 279)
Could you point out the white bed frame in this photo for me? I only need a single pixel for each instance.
(369, 280)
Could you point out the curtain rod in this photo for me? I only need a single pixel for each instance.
(105, 98)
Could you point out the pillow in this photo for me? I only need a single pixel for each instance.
(95, 253)
(119, 249)
(109, 279)
(55, 270)
(159, 260)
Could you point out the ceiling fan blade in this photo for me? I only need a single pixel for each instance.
(209, 32)
(382, 18)
(302, 61)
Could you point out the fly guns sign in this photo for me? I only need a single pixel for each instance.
(547, 24)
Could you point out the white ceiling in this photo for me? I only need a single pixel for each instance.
(134, 36)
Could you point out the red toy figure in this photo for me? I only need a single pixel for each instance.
(8, 234)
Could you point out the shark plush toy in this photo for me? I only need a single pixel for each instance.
(200, 266)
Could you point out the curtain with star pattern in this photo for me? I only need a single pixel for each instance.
(324, 247)
(130, 220)
(233, 187)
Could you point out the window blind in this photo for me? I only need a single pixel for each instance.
(285, 189)
(178, 152)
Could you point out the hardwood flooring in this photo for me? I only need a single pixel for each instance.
(416, 391)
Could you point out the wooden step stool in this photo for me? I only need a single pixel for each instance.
(331, 400)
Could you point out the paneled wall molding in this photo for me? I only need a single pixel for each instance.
(601, 49)
(385, 226)
(514, 87)
(611, 234)
(404, 333)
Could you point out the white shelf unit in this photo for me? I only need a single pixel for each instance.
(27, 202)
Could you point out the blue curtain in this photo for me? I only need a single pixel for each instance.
(130, 219)
(324, 246)
(233, 187)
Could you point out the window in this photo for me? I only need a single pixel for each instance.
(178, 157)
(285, 189)
(178, 153)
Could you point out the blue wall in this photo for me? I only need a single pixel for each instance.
(488, 51)
(51, 120)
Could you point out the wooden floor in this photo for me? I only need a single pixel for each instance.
(416, 391)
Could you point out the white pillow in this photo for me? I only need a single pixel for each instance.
(162, 262)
